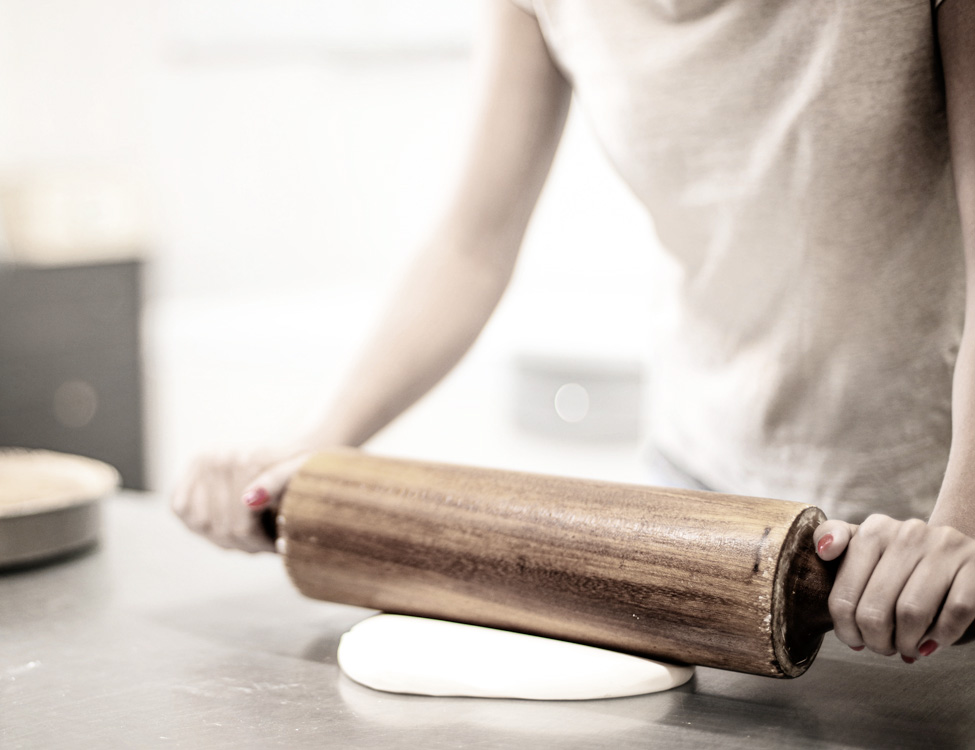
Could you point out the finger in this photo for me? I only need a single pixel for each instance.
(195, 514)
(256, 542)
(248, 531)
(247, 539)
(180, 502)
(863, 552)
(234, 526)
(957, 613)
(832, 538)
(257, 497)
(918, 606)
(266, 489)
(878, 606)
(226, 516)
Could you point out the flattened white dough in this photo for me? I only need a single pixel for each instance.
(400, 654)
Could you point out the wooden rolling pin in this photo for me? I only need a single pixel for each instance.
(694, 577)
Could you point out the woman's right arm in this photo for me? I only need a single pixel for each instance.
(450, 290)
(457, 280)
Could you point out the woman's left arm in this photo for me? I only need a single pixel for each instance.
(908, 587)
(956, 37)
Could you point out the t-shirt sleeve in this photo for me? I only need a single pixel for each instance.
(526, 5)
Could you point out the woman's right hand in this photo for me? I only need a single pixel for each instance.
(223, 495)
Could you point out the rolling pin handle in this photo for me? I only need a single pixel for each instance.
(269, 523)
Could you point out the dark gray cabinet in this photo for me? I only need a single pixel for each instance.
(70, 362)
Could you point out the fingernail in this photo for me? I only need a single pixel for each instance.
(927, 648)
(824, 543)
(907, 659)
(255, 498)
(855, 648)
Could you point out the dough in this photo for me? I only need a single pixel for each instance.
(401, 654)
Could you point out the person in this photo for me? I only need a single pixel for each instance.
(810, 170)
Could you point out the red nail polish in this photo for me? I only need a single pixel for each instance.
(857, 648)
(927, 648)
(256, 498)
(824, 543)
(907, 659)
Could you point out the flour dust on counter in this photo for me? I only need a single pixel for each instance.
(421, 656)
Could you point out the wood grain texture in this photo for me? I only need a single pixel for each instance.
(694, 577)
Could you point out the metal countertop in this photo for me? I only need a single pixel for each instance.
(158, 639)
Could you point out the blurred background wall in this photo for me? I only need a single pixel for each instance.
(269, 167)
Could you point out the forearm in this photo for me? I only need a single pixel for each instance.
(956, 501)
(956, 29)
(445, 300)
(454, 285)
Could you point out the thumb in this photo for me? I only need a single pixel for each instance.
(832, 537)
(266, 489)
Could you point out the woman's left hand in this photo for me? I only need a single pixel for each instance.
(902, 586)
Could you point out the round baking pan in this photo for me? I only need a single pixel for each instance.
(50, 504)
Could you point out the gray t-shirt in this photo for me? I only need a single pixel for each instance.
(808, 307)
